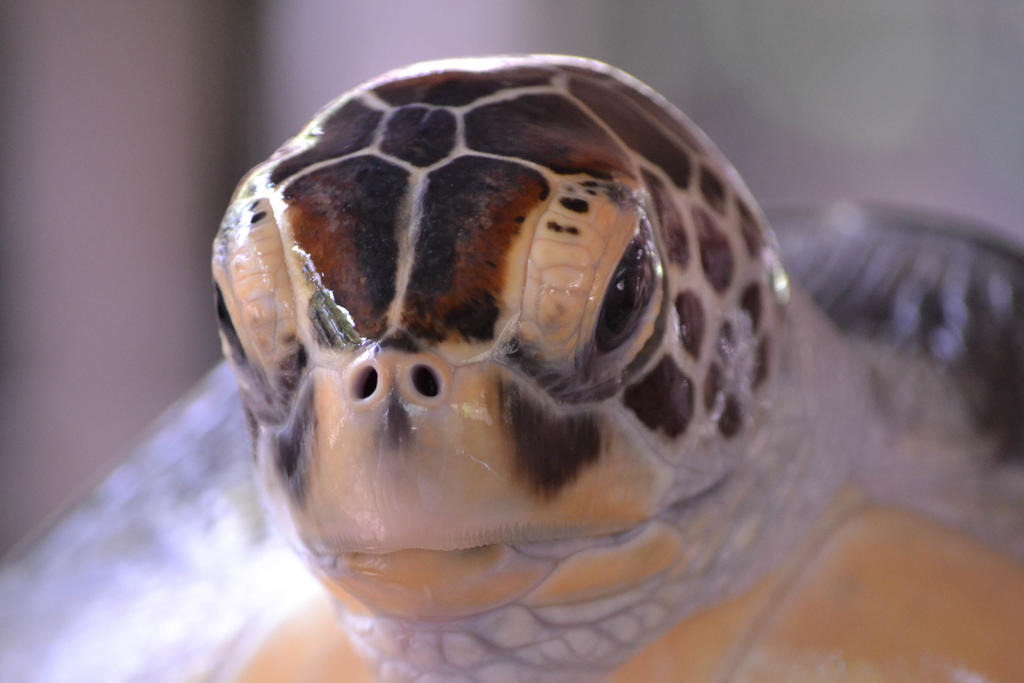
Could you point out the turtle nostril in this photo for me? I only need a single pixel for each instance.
(426, 381)
(366, 384)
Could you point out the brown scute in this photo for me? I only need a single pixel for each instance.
(691, 321)
(671, 222)
(663, 399)
(548, 130)
(469, 216)
(750, 302)
(731, 419)
(347, 216)
(633, 119)
(347, 130)
(715, 252)
(750, 230)
(550, 449)
(457, 88)
(419, 135)
(713, 190)
(587, 71)
(659, 113)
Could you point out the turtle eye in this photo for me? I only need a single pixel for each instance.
(630, 290)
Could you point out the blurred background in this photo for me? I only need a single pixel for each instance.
(124, 126)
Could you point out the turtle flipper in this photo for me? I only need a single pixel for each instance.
(920, 282)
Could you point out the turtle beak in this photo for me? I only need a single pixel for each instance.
(395, 450)
(393, 385)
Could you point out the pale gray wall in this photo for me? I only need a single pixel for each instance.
(918, 101)
(115, 169)
(125, 125)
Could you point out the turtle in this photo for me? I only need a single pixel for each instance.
(532, 389)
(532, 393)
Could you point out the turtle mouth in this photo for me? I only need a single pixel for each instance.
(529, 539)
(480, 571)
(461, 581)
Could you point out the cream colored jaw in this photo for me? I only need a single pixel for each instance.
(425, 584)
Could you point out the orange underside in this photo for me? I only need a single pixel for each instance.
(886, 597)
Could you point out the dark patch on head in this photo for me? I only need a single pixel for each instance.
(419, 135)
(400, 341)
(750, 302)
(575, 204)
(548, 130)
(691, 321)
(712, 386)
(395, 427)
(457, 88)
(347, 130)
(715, 252)
(555, 226)
(635, 119)
(267, 392)
(551, 450)
(731, 419)
(712, 189)
(663, 399)
(346, 216)
(227, 328)
(750, 230)
(292, 368)
(293, 444)
(672, 228)
(468, 224)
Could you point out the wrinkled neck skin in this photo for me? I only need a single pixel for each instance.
(729, 536)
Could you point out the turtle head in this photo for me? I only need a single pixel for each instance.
(487, 304)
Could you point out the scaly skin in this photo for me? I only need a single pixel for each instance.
(523, 373)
